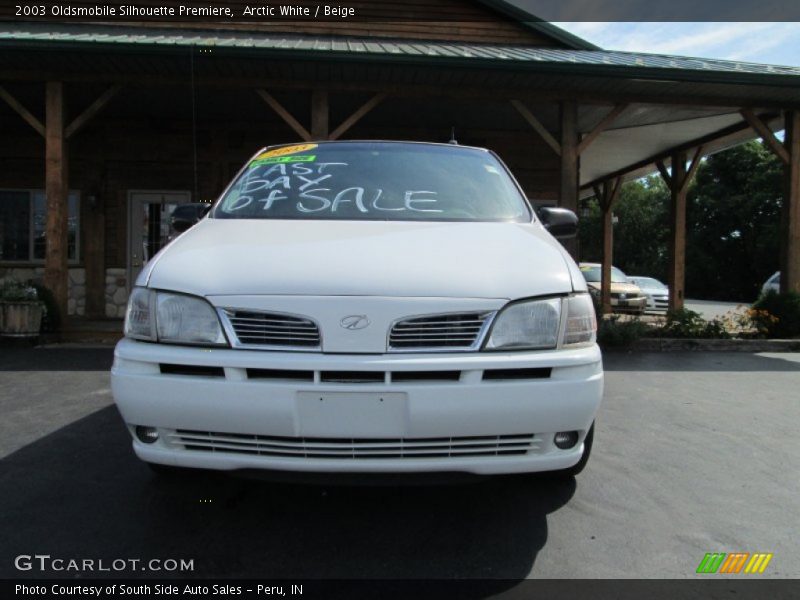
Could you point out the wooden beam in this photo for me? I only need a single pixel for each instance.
(766, 134)
(319, 115)
(22, 111)
(698, 155)
(56, 225)
(677, 246)
(662, 168)
(537, 126)
(357, 115)
(790, 246)
(285, 115)
(94, 108)
(615, 192)
(570, 166)
(604, 124)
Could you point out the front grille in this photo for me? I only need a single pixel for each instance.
(377, 448)
(450, 331)
(253, 328)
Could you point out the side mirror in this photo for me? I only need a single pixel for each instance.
(560, 222)
(181, 225)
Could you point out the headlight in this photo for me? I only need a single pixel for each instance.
(139, 319)
(581, 326)
(535, 324)
(527, 325)
(174, 318)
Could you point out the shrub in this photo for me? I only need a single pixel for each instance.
(12, 290)
(51, 320)
(685, 323)
(615, 333)
(778, 314)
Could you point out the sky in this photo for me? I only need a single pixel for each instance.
(768, 43)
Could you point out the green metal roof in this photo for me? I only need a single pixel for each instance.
(590, 62)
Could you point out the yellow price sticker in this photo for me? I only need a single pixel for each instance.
(287, 150)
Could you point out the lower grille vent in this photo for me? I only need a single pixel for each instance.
(191, 370)
(374, 448)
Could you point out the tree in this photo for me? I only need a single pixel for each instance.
(733, 223)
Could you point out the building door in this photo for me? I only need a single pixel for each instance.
(148, 226)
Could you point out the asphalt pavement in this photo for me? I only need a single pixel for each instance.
(693, 453)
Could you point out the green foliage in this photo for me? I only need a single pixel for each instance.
(733, 223)
(685, 323)
(12, 290)
(779, 314)
(616, 333)
(51, 320)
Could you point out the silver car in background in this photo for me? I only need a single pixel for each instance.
(657, 293)
(773, 284)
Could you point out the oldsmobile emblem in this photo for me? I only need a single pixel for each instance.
(354, 322)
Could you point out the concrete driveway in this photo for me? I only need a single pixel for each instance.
(693, 453)
(715, 309)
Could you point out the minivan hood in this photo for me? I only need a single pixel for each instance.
(362, 258)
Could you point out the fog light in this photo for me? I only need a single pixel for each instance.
(146, 435)
(566, 439)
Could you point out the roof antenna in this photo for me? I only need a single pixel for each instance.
(453, 139)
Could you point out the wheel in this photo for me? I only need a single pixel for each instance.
(579, 466)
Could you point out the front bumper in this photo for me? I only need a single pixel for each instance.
(657, 303)
(635, 305)
(481, 413)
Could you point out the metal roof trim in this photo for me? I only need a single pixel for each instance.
(587, 62)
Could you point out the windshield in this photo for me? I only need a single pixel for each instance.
(375, 181)
(593, 274)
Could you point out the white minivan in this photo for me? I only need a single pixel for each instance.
(364, 307)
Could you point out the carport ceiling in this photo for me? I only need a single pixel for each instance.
(619, 147)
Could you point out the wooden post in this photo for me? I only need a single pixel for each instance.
(677, 242)
(568, 194)
(607, 197)
(319, 115)
(55, 265)
(608, 257)
(790, 248)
